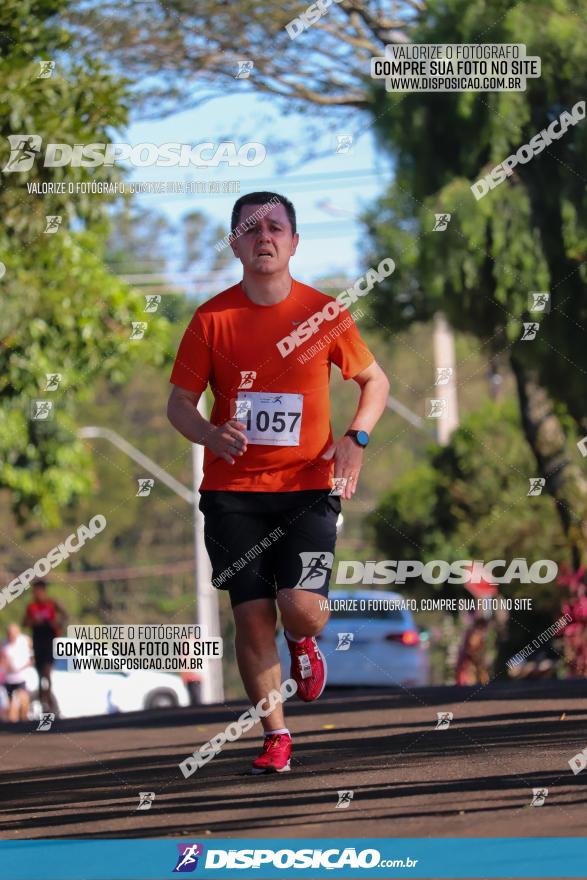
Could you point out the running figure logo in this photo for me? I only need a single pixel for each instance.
(241, 410)
(443, 375)
(339, 486)
(539, 795)
(152, 301)
(145, 486)
(344, 641)
(41, 410)
(47, 68)
(245, 69)
(344, 143)
(315, 570)
(53, 222)
(538, 301)
(146, 799)
(24, 149)
(437, 407)
(247, 379)
(441, 222)
(138, 329)
(345, 797)
(53, 380)
(443, 720)
(536, 485)
(529, 332)
(187, 859)
(46, 720)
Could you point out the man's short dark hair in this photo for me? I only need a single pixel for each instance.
(261, 198)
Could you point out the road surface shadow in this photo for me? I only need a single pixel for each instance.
(478, 765)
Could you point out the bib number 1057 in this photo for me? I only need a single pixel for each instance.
(278, 423)
(270, 419)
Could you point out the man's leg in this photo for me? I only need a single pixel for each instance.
(234, 525)
(48, 701)
(260, 670)
(302, 612)
(23, 704)
(13, 706)
(302, 573)
(303, 617)
(256, 654)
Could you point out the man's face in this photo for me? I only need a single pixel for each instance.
(39, 594)
(265, 248)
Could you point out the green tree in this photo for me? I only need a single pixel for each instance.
(468, 498)
(183, 54)
(468, 501)
(528, 234)
(63, 311)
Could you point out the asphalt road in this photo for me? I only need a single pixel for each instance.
(474, 779)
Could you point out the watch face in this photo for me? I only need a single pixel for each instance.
(362, 437)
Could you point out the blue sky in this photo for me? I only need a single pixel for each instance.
(328, 193)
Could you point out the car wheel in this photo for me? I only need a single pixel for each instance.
(161, 700)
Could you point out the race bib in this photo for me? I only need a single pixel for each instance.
(270, 419)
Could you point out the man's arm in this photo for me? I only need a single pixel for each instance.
(183, 414)
(374, 394)
(224, 441)
(348, 457)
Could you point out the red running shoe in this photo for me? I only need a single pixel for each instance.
(275, 755)
(308, 668)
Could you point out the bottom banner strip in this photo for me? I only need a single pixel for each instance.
(269, 859)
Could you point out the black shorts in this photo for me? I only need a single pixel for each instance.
(261, 542)
(11, 688)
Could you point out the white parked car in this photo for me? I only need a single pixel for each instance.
(370, 647)
(89, 692)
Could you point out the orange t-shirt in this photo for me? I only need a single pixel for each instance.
(231, 343)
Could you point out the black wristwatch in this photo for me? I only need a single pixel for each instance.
(361, 438)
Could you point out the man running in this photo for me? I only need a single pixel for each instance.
(270, 472)
(46, 619)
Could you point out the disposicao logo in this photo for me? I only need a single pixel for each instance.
(26, 148)
(187, 859)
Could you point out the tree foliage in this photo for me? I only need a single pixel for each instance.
(63, 312)
(527, 234)
(468, 501)
(182, 53)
